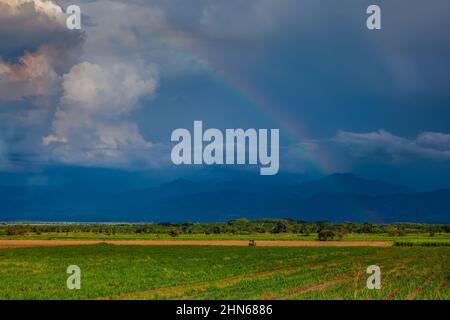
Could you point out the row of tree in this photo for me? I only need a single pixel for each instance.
(239, 226)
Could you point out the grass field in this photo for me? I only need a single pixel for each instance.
(409, 239)
(205, 272)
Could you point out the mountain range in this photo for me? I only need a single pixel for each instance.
(337, 197)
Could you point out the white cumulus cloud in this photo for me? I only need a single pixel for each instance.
(36, 48)
(91, 125)
(430, 146)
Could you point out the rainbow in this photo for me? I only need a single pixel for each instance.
(271, 112)
(268, 110)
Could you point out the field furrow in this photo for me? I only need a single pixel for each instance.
(208, 272)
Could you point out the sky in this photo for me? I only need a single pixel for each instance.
(108, 96)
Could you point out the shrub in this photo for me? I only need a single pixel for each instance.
(281, 227)
(341, 234)
(173, 233)
(15, 230)
(325, 235)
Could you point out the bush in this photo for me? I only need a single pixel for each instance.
(325, 235)
(341, 234)
(392, 232)
(281, 227)
(15, 230)
(173, 233)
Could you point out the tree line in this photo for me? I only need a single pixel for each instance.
(241, 226)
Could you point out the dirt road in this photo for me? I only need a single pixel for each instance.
(262, 243)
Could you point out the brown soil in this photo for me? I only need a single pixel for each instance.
(44, 243)
(58, 243)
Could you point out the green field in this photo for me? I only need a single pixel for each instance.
(416, 239)
(172, 272)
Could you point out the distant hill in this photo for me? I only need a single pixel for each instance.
(349, 183)
(337, 197)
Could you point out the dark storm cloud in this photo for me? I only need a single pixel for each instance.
(26, 25)
(314, 60)
(36, 48)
